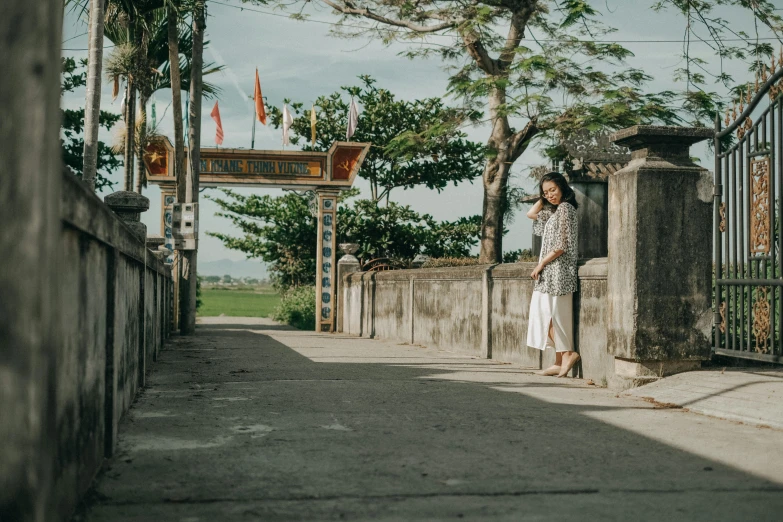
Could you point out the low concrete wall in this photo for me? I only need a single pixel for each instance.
(112, 309)
(478, 310)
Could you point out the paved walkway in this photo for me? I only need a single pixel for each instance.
(754, 396)
(254, 421)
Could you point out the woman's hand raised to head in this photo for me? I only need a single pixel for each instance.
(535, 209)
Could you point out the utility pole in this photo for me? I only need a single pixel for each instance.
(187, 285)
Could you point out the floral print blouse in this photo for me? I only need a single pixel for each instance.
(558, 229)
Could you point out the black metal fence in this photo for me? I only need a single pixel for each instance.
(748, 214)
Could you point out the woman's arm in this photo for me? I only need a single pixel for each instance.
(561, 240)
(535, 209)
(554, 254)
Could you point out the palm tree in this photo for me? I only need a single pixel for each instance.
(172, 16)
(128, 27)
(158, 73)
(145, 63)
(92, 108)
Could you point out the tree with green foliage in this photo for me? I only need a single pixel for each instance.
(145, 63)
(541, 69)
(707, 21)
(73, 77)
(415, 143)
(561, 80)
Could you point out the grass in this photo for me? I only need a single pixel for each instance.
(238, 302)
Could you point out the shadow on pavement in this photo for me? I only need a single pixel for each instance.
(236, 425)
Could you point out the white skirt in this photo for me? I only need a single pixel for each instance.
(559, 309)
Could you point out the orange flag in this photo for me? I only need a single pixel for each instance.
(259, 99)
(216, 116)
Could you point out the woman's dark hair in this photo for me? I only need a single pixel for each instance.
(559, 180)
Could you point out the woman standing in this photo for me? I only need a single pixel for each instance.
(550, 321)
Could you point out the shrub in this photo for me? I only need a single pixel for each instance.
(297, 308)
(440, 262)
(527, 255)
(514, 256)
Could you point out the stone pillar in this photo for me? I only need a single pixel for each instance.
(347, 264)
(128, 206)
(592, 216)
(660, 255)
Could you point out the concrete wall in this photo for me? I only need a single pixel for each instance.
(478, 310)
(31, 159)
(112, 304)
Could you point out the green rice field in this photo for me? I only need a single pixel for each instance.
(238, 302)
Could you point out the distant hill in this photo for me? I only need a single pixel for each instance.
(242, 268)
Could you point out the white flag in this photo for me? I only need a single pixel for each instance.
(353, 120)
(288, 120)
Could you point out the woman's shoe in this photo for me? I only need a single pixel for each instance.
(552, 370)
(572, 360)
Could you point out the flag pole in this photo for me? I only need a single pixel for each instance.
(253, 136)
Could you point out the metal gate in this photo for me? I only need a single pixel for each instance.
(748, 215)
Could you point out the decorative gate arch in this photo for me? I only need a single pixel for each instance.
(748, 215)
(325, 173)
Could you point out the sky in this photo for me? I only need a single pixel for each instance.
(301, 61)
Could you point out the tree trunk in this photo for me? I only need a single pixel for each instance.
(92, 109)
(495, 180)
(494, 210)
(141, 169)
(508, 146)
(172, 15)
(130, 134)
(176, 99)
(189, 265)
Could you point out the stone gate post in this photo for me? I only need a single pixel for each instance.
(326, 260)
(348, 264)
(660, 256)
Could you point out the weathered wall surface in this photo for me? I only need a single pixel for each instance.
(111, 304)
(112, 311)
(477, 310)
(30, 155)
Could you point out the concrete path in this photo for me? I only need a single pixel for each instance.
(754, 396)
(251, 421)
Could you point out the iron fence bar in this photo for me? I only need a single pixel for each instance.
(764, 152)
(751, 355)
(755, 282)
(739, 142)
(763, 90)
(738, 231)
(736, 252)
(739, 175)
(748, 306)
(769, 121)
(776, 270)
(760, 264)
(717, 321)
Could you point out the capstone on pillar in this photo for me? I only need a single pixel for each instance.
(128, 206)
(347, 264)
(659, 255)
